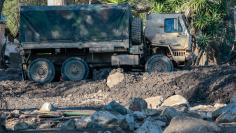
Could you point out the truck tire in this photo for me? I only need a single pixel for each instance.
(41, 71)
(136, 31)
(74, 69)
(159, 63)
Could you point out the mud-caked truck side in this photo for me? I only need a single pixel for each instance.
(70, 41)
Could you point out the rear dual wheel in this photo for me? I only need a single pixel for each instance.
(41, 71)
(74, 69)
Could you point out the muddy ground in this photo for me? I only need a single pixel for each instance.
(199, 85)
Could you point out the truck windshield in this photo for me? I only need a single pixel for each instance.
(172, 25)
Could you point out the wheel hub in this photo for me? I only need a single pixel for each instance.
(42, 70)
(159, 67)
(74, 69)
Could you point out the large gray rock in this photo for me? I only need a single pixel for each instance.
(137, 104)
(115, 78)
(152, 112)
(184, 124)
(139, 115)
(68, 125)
(128, 123)
(205, 111)
(116, 107)
(149, 126)
(227, 117)
(107, 119)
(16, 125)
(230, 108)
(175, 100)
(83, 122)
(170, 113)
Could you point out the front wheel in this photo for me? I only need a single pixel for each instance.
(41, 71)
(159, 63)
(74, 69)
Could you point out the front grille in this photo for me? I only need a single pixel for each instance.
(179, 53)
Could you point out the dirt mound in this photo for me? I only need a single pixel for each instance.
(203, 84)
(207, 85)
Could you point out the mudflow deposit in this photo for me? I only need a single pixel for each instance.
(199, 85)
(139, 99)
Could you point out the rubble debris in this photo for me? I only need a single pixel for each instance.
(116, 107)
(137, 104)
(184, 124)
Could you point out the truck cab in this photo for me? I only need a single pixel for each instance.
(168, 34)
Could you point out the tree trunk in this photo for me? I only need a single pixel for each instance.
(199, 57)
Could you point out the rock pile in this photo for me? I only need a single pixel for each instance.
(172, 115)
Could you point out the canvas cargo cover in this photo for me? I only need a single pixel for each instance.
(81, 23)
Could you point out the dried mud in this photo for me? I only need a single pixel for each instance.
(199, 85)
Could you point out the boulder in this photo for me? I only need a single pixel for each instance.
(83, 122)
(184, 124)
(116, 107)
(202, 114)
(128, 123)
(137, 104)
(170, 113)
(154, 102)
(175, 100)
(202, 108)
(227, 127)
(16, 125)
(47, 107)
(115, 78)
(152, 112)
(139, 115)
(107, 119)
(68, 125)
(227, 117)
(149, 126)
(205, 111)
(230, 107)
(46, 125)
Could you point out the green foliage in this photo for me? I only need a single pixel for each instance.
(203, 40)
(11, 11)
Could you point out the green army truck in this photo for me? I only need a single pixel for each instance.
(70, 41)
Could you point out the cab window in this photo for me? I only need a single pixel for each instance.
(172, 25)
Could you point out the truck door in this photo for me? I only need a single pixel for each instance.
(173, 34)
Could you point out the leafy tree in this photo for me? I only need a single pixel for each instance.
(10, 10)
(1, 5)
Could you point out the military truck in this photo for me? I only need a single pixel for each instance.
(70, 41)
